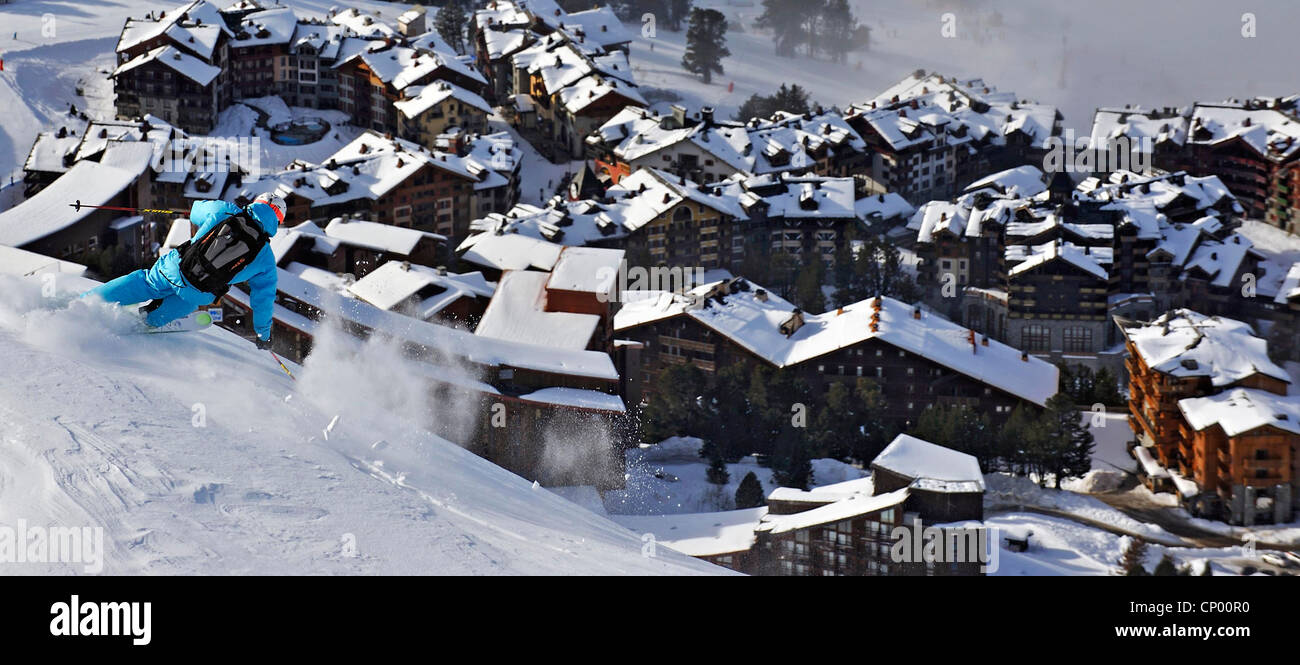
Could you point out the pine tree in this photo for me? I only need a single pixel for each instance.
(1105, 388)
(1067, 443)
(792, 466)
(450, 24)
(706, 43)
(674, 408)
(717, 472)
(750, 492)
(1020, 441)
(836, 29)
(1166, 568)
(808, 288)
(785, 19)
(870, 420)
(792, 99)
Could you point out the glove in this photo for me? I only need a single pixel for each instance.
(262, 344)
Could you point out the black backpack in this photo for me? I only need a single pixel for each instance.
(210, 262)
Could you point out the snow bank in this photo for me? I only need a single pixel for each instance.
(196, 455)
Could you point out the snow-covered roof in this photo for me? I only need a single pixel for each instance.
(518, 313)
(1220, 261)
(1242, 410)
(396, 283)
(1138, 125)
(1269, 132)
(185, 17)
(49, 152)
(916, 458)
(587, 270)
(436, 93)
(1184, 343)
(382, 237)
(402, 67)
(1290, 290)
(50, 210)
(182, 63)
(371, 166)
(699, 534)
(824, 493)
(363, 23)
(1079, 257)
(576, 398)
(20, 262)
(1020, 182)
(930, 107)
(755, 324)
(474, 348)
(509, 251)
(847, 508)
(785, 142)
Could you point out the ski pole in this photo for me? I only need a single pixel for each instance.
(79, 205)
(281, 363)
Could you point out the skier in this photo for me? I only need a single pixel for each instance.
(202, 269)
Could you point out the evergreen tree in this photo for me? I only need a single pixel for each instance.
(808, 288)
(750, 492)
(791, 99)
(706, 43)
(1167, 568)
(717, 472)
(836, 29)
(451, 22)
(870, 421)
(878, 270)
(1105, 388)
(675, 404)
(785, 18)
(1020, 440)
(1067, 443)
(791, 466)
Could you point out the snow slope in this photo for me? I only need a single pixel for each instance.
(198, 456)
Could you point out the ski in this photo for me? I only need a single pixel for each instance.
(190, 323)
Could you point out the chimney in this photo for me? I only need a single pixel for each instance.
(706, 116)
(761, 295)
(792, 324)
(984, 340)
(1024, 356)
(916, 313)
(442, 271)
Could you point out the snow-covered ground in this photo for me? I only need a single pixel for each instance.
(195, 454)
(240, 120)
(670, 478)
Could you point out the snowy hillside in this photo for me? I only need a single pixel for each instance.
(196, 454)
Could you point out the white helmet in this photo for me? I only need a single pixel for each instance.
(275, 201)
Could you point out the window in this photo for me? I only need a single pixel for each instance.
(1036, 337)
(1078, 338)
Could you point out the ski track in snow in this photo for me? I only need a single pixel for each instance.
(183, 448)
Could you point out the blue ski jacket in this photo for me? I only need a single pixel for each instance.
(260, 273)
